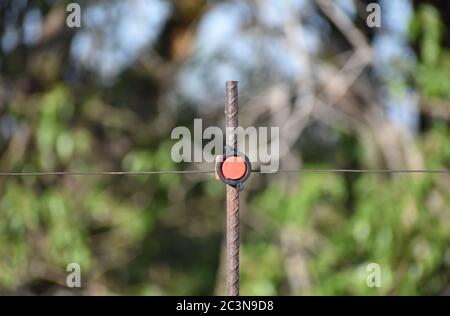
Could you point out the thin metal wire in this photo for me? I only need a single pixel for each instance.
(156, 172)
(355, 171)
(103, 173)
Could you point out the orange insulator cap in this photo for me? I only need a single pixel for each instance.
(234, 168)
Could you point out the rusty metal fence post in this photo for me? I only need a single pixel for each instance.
(231, 114)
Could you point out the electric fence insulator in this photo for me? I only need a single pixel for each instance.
(233, 169)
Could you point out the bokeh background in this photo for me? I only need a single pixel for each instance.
(107, 95)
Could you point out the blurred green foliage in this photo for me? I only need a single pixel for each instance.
(433, 70)
(163, 234)
(401, 223)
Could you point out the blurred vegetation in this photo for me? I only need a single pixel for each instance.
(163, 234)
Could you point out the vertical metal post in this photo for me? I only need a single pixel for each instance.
(231, 114)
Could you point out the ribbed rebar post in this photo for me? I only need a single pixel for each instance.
(231, 114)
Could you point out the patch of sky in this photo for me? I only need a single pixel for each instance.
(226, 49)
(348, 6)
(113, 34)
(32, 26)
(393, 59)
(10, 38)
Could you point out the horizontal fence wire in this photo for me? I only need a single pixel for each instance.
(103, 173)
(357, 171)
(161, 172)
